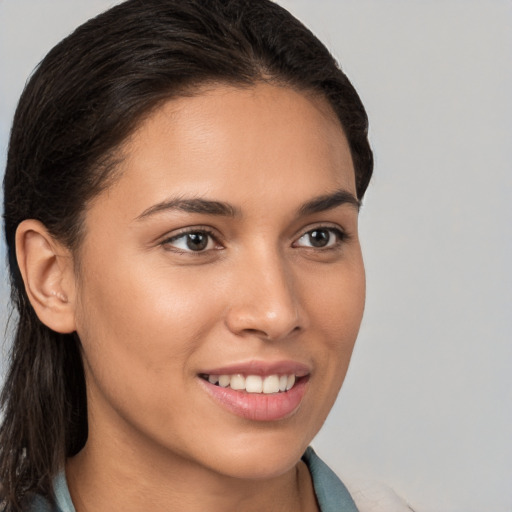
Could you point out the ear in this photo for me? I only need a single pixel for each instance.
(48, 273)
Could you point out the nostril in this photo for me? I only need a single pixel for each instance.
(256, 332)
(273, 313)
(272, 334)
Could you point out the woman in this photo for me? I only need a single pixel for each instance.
(181, 202)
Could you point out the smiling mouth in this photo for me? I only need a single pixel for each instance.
(257, 384)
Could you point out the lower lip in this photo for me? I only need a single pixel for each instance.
(259, 406)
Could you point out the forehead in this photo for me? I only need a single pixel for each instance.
(234, 144)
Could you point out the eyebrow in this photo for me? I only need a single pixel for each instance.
(218, 208)
(194, 205)
(329, 202)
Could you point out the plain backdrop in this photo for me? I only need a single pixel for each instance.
(427, 405)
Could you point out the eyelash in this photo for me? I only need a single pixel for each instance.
(341, 237)
(186, 233)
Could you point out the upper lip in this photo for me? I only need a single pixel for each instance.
(262, 368)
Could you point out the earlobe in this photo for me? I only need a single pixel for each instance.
(47, 270)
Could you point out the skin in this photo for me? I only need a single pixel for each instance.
(152, 314)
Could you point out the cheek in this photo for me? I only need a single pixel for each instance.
(336, 311)
(136, 303)
(136, 326)
(139, 333)
(336, 303)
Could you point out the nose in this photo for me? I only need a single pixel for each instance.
(265, 302)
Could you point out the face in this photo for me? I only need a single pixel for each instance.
(221, 284)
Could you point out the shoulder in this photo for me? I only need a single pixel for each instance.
(62, 503)
(331, 494)
(36, 503)
(365, 495)
(31, 503)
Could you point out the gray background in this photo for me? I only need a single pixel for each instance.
(427, 405)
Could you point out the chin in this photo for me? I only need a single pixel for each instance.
(265, 456)
(260, 466)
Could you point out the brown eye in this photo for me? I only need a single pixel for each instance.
(197, 241)
(193, 241)
(320, 238)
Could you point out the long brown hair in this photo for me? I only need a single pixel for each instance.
(81, 103)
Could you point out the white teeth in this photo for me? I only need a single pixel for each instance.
(271, 384)
(254, 383)
(224, 381)
(237, 382)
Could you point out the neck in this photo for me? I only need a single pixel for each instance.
(111, 477)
